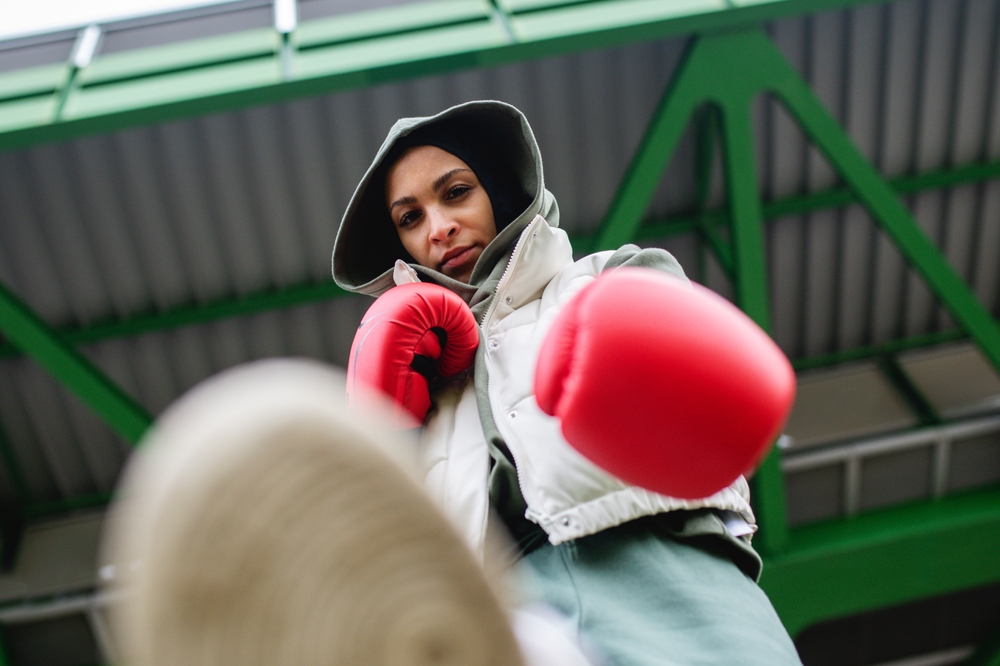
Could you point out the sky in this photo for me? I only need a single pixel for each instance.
(29, 17)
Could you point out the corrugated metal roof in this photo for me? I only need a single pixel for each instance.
(915, 85)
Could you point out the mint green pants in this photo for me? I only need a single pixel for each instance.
(667, 590)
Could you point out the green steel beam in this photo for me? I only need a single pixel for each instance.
(875, 194)
(44, 509)
(745, 211)
(875, 351)
(721, 249)
(834, 198)
(189, 315)
(911, 394)
(630, 203)
(885, 557)
(180, 57)
(705, 144)
(751, 291)
(707, 227)
(931, 180)
(13, 468)
(353, 51)
(34, 337)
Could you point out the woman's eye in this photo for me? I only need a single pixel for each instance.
(458, 191)
(408, 219)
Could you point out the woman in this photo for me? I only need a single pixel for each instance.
(458, 199)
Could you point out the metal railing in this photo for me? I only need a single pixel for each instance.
(852, 454)
(92, 605)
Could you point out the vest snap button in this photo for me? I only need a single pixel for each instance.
(509, 300)
(512, 415)
(566, 521)
(494, 343)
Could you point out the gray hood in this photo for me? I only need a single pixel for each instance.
(367, 245)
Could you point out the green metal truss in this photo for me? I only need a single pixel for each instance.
(816, 572)
(152, 85)
(36, 339)
(878, 351)
(189, 315)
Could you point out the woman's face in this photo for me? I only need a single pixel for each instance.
(440, 210)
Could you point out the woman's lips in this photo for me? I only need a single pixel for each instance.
(456, 260)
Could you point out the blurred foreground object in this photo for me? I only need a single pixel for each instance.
(261, 523)
(411, 334)
(662, 383)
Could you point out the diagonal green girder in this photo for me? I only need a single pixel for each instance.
(730, 70)
(36, 339)
(631, 201)
(706, 135)
(881, 201)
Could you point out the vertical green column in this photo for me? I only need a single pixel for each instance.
(13, 468)
(724, 71)
(751, 295)
(707, 133)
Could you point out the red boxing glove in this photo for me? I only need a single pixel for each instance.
(409, 335)
(667, 386)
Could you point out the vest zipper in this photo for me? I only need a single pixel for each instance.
(514, 256)
(530, 513)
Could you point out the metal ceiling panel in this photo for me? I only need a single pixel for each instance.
(956, 379)
(845, 403)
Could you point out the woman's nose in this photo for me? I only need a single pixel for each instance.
(441, 226)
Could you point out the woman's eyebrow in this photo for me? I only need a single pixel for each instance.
(402, 201)
(443, 179)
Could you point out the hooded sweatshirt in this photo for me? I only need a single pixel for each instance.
(497, 143)
(367, 248)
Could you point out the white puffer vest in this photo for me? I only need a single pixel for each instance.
(568, 496)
